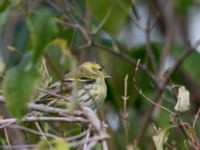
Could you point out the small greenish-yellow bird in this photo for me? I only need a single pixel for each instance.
(86, 84)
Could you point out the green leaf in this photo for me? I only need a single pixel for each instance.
(182, 5)
(60, 144)
(18, 87)
(2, 65)
(111, 14)
(4, 5)
(67, 60)
(42, 29)
(8, 4)
(189, 65)
(3, 18)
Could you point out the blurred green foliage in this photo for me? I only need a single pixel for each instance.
(111, 14)
(17, 91)
(42, 30)
(182, 5)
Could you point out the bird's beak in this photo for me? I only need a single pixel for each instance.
(106, 74)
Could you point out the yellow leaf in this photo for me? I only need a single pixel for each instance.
(60, 144)
(67, 59)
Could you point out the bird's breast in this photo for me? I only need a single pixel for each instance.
(94, 94)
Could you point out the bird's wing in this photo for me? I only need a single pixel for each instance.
(63, 89)
(57, 90)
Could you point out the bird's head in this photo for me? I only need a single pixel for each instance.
(95, 69)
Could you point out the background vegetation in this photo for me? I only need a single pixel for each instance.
(148, 47)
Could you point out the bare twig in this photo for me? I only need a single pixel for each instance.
(9, 147)
(86, 115)
(148, 41)
(104, 144)
(125, 113)
(195, 118)
(94, 138)
(73, 144)
(53, 67)
(33, 131)
(7, 138)
(135, 13)
(43, 134)
(103, 20)
(48, 109)
(7, 122)
(136, 70)
(43, 119)
(152, 102)
(161, 85)
(85, 32)
(85, 146)
(76, 137)
(181, 58)
(182, 126)
(128, 59)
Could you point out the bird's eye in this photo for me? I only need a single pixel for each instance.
(100, 69)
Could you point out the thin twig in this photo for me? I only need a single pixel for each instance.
(7, 138)
(13, 147)
(85, 32)
(53, 66)
(125, 113)
(104, 144)
(43, 134)
(136, 70)
(181, 58)
(71, 144)
(148, 43)
(8, 122)
(128, 59)
(104, 19)
(182, 126)
(195, 118)
(48, 109)
(94, 138)
(135, 13)
(33, 131)
(85, 147)
(161, 85)
(75, 137)
(152, 102)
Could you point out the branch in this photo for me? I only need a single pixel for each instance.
(161, 85)
(128, 59)
(44, 119)
(152, 102)
(148, 41)
(85, 32)
(48, 109)
(183, 56)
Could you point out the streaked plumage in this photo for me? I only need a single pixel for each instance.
(88, 83)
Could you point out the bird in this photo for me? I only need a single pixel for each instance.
(84, 85)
